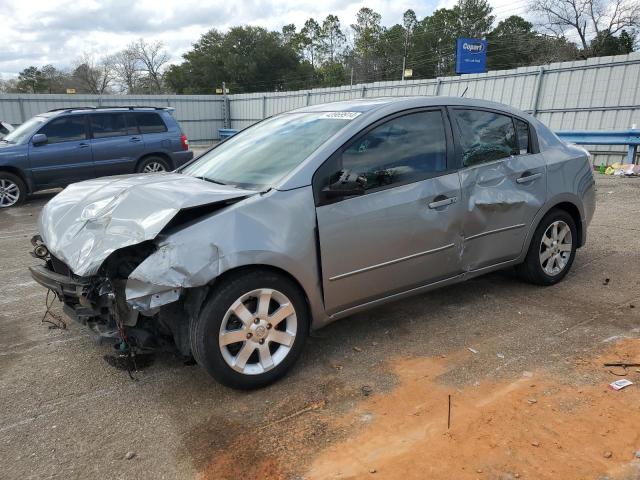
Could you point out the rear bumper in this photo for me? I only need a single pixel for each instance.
(180, 158)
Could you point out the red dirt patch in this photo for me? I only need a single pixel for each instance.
(533, 427)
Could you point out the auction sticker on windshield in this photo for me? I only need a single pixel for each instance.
(342, 115)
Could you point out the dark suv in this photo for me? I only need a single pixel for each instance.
(68, 145)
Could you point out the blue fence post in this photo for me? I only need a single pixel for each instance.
(631, 154)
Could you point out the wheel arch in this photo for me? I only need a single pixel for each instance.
(572, 210)
(20, 174)
(565, 203)
(240, 269)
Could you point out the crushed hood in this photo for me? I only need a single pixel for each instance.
(89, 220)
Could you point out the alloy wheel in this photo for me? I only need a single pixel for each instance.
(555, 248)
(9, 193)
(258, 331)
(153, 167)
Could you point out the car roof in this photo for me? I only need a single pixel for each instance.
(402, 103)
(374, 109)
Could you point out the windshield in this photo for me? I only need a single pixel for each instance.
(25, 131)
(266, 152)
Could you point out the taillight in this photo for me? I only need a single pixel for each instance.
(185, 142)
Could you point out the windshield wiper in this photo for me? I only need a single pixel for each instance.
(207, 179)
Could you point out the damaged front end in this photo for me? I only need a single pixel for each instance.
(100, 301)
(139, 290)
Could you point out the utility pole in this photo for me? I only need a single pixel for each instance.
(404, 56)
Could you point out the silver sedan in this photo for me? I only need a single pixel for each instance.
(311, 216)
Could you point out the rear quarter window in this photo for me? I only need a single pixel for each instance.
(150, 123)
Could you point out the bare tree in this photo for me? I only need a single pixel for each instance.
(587, 18)
(127, 66)
(95, 76)
(9, 86)
(153, 58)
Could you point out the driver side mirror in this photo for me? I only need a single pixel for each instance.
(347, 184)
(39, 139)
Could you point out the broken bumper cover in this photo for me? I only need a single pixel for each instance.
(71, 291)
(63, 285)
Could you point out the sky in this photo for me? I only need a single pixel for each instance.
(40, 32)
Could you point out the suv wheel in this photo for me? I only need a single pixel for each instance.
(251, 329)
(153, 165)
(552, 249)
(12, 190)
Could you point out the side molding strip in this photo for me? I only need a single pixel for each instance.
(390, 262)
(497, 230)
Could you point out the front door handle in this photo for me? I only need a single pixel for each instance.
(135, 139)
(443, 202)
(528, 177)
(83, 145)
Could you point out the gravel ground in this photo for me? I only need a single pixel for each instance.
(67, 414)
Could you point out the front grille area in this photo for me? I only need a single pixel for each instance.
(60, 267)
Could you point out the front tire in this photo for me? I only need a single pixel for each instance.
(251, 329)
(552, 249)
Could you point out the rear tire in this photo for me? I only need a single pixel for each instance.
(251, 329)
(153, 165)
(552, 250)
(13, 190)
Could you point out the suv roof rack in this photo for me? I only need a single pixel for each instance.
(60, 109)
(106, 107)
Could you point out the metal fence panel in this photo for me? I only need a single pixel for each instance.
(199, 115)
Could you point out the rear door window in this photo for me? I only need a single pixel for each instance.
(484, 136)
(65, 129)
(106, 125)
(150, 123)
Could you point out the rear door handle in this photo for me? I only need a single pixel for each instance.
(528, 178)
(134, 139)
(443, 203)
(83, 145)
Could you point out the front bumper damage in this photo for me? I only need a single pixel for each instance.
(143, 296)
(96, 302)
(121, 254)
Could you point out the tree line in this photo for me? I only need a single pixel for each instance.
(325, 53)
(139, 68)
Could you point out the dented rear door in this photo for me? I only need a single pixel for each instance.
(503, 185)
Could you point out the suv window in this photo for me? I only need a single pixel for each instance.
(65, 129)
(403, 150)
(111, 125)
(522, 129)
(150, 123)
(484, 136)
